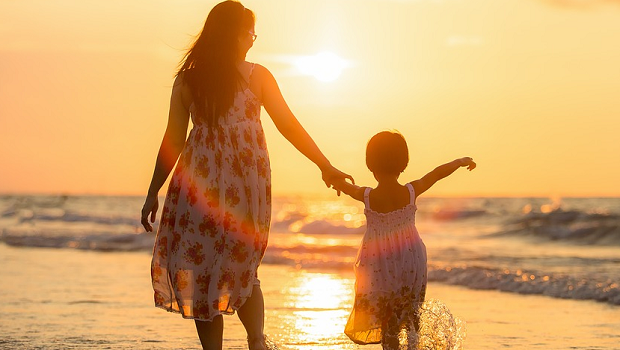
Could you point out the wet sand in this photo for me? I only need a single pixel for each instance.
(68, 299)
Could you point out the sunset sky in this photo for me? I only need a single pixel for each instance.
(529, 88)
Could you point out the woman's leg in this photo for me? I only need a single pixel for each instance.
(252, 315)
(210, 333)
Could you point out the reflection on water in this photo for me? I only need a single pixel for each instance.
(320, 327)
(322, 299)
(316, 309)
(320, 291)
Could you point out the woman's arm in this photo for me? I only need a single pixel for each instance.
(171, 146)
(420, 186)
(291, 129)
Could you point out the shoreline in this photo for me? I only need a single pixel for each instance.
(83, 299)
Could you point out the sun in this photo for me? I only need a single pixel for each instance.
(324, 66)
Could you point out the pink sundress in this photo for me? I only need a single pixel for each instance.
(390, 273)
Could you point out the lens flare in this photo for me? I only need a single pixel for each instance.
(324, 66)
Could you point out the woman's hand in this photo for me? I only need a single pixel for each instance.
(151, 204)
(331, 175)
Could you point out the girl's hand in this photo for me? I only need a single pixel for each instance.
(468, 162)
(151, 204)
(339, 184)
(331, 175)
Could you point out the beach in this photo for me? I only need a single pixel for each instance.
(73, 279)
(97, 97)
(70, 299)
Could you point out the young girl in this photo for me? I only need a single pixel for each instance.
(391, 264)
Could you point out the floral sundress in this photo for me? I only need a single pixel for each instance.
(215, 220)
(390, 273)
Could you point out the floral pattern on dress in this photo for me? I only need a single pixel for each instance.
(215, 221)
(390, 273)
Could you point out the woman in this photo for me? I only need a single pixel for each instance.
(215, 221)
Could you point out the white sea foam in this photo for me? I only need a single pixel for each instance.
(531, 282)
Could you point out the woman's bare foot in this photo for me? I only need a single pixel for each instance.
(263, 343)
(257, 344)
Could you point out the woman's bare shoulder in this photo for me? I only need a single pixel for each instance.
(180, 80)
(259, 67)
(261, 72)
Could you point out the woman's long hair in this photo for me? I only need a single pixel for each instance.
(209, 66)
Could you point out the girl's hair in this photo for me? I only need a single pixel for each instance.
(209, 66)
(387, 152)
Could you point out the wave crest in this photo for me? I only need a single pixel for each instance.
(571, 226)
(530, 282)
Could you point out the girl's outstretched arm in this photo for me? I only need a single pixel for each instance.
(291, 129)
(350, 190)
(427, 181)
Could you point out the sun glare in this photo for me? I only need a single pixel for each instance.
(321, 303)
(324, 66)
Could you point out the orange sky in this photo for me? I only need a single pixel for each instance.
(529, 88)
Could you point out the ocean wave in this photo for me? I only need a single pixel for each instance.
(325, 227)
(97, 241)
(333, 257)
(570, 226)
(59, 215)
(530, 282)
(322, 256)
(446, 214)
(314, 227)
(64, 209)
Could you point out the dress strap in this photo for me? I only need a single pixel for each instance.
(411, 193)
(367, 197)
(251, 71)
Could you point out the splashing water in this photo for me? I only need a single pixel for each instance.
(439, 329)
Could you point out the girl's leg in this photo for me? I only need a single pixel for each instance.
(210, 333)
(412, 325)
(389, 334)
(389, 340)
(416, 319)
(252, 315)
(411, 336)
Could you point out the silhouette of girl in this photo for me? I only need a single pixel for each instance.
(390, 270)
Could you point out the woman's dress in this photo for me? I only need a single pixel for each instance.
(215, 221)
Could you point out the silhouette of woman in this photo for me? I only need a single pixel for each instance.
(215, 220)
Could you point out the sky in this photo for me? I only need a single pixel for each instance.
(528, 88)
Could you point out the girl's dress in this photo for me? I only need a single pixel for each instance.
(215, 221)
(390, 275)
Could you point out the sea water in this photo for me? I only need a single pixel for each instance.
(514, 248)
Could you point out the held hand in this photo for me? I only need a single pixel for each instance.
(331, 175)
(339, 185)
(468, 162)
(151, 204)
